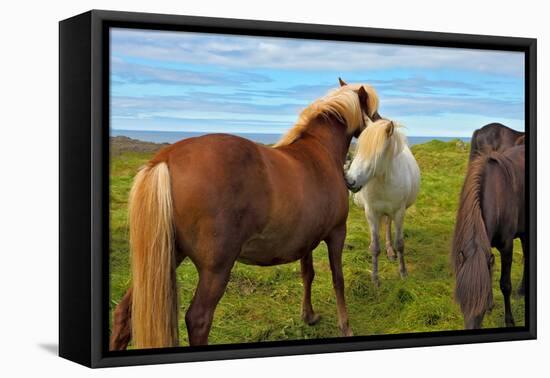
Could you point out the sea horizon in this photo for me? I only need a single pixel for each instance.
(264, 138)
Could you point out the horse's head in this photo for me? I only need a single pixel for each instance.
(473, 289)
(368, 100)
(472, 258)
(376, 147)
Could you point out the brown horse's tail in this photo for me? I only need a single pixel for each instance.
(471, 247)
(154, 301)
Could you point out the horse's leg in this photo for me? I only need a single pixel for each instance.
(212, 284)
(506, 253)
(389, 248)
(122, 326)
(521, 290)
(335, 244)
(374, 223)
(309, 316)
(400, 242)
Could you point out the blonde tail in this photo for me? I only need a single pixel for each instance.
(154, 298)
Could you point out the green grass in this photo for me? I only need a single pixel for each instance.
(263, 303)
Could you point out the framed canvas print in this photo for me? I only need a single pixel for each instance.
(234, 188)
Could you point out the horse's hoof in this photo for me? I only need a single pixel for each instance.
(391, 254)
(403, 274)
(510, 323)
(376, 282)
(311, 319)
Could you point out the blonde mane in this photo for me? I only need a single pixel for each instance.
(343, 103)
(374, 140)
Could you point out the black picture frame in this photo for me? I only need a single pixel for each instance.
(84, 186)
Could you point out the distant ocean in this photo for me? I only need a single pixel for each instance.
(174, 136)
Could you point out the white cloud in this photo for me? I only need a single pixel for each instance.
(284, 53)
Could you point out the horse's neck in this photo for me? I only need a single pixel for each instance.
(396, 169)
(329, 134)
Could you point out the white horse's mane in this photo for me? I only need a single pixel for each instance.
(375, 140)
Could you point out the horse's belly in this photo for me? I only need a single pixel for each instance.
(267, 260)
(387, 199)
(267, 250)
(381, 205)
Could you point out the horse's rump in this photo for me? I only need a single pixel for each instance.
(219, 187)
(502, 198)
(495, 137)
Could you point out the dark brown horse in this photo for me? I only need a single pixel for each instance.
(219, 199)
(491, 214)
(495, 136)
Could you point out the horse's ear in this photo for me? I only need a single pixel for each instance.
(389, 129)
(342, 82)
(376, 116)
(363, 98)
(520, 140)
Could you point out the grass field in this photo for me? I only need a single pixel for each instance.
(263, 303)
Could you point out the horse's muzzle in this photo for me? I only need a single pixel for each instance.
(352, 185)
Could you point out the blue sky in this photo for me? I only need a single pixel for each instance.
(179, 81)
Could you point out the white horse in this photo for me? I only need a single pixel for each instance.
(386, 179)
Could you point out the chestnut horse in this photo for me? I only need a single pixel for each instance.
(218, 199)
(496, 136)
(491, 214)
